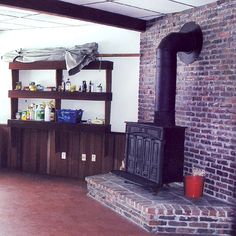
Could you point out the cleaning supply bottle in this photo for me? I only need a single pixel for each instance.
(37, 115)
(47, 113)
(68, 85)
(52, 114)
(91, 87)
(41, 112)
(63, 86)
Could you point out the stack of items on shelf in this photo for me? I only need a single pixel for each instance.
(40, 112)
(65, 87)
(46, 112)
(32, 87)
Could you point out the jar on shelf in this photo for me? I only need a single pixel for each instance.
(40, 87)
(18, 86)
(73, 88)
(32, 86)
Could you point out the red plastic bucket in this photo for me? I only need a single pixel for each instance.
(193, 186)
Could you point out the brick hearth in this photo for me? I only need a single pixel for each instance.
(167, 211)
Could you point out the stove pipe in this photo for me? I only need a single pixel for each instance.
(188, 44)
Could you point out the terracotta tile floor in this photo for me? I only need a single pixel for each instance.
(34, 205)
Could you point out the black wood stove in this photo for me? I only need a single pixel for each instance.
(155, 151)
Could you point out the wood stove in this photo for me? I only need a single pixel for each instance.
(155, 151)
(154, 155)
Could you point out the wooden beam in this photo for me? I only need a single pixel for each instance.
(50, 65)
(78, 12)
(119, 55)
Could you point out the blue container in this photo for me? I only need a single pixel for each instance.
(69, 116)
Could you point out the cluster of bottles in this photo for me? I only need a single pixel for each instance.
(66, 86)
(41, 112)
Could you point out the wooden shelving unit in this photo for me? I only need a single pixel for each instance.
(36, 146)
(59, 66)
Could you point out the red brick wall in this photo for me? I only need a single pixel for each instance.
(206, 92)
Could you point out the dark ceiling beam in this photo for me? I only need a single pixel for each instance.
(78, 12)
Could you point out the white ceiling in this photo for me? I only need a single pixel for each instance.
(15, 19)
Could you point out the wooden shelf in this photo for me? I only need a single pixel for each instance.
(54, 65)
(43, 125)
(59, 66)
(60, 95)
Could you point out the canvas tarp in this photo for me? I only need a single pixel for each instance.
(76, 57)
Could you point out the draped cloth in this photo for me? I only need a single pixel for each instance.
(76, 57)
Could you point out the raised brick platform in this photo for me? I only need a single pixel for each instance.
(167, 211)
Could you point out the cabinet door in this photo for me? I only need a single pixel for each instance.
(34, 151)
(91, 144)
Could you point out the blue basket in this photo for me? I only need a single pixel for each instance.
(69, 116)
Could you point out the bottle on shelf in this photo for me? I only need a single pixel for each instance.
(28, 113)
(32, 111)
(47, 113)
(91, 86)
(63, 86)
(51, 105)
(36, 113)
(68, 85)
(99, 88)
(52, 114)
(84, 86)
(18, 115)
(23, 115)
(39, 113)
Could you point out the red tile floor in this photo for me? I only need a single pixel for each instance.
(34, 205)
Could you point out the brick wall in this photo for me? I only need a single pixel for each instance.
(206, 92)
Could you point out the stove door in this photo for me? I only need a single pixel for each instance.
(144, 154)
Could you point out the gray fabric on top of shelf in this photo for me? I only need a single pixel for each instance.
(79, 56)
(76, 57)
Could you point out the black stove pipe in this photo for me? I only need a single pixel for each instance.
(189, 42)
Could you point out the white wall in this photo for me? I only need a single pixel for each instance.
(110, 40)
